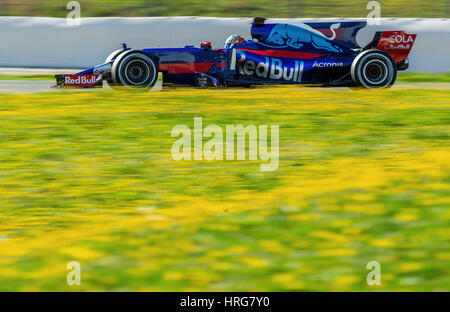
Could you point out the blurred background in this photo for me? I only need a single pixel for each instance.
(228, 8)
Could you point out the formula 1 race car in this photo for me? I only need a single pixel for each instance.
(276, 54)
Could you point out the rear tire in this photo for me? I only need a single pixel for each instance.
(374, 69)
(134, 69)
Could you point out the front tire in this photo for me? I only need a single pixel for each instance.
(134, 69)
(374, 69)
(111, 57)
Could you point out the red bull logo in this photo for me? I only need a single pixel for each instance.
(270, 68)
(80, 80)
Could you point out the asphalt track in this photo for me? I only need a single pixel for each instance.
(46, 86)
(18, 87)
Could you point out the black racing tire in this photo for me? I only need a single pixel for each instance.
(110, 58)
(134, 69)
(113, 55)
(373, 69)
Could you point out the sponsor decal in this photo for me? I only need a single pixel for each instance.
(270, 68)
(400, 42)
(396, 41)
(327, 64)
(285, 35)
(401, 38)
(81, 80)
(397, 44)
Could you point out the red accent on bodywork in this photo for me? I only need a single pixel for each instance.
(185, 68)
(206, 44)
(287, 54)
(397, 44)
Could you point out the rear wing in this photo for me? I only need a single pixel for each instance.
(397, 44)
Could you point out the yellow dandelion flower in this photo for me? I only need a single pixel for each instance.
(409, 267)
(338, 252)
(254, 262)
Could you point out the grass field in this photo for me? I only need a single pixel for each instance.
(423, 77)
(228, 8)
(89, 177)
(26, 77)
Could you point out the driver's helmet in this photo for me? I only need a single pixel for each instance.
(232, 40)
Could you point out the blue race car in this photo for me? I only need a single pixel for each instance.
(276, 54)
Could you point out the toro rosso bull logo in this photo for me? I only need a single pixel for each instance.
(296, 37)
(267, 67)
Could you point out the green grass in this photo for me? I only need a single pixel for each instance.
(423, 77)
(27, 77)
(89, 177)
